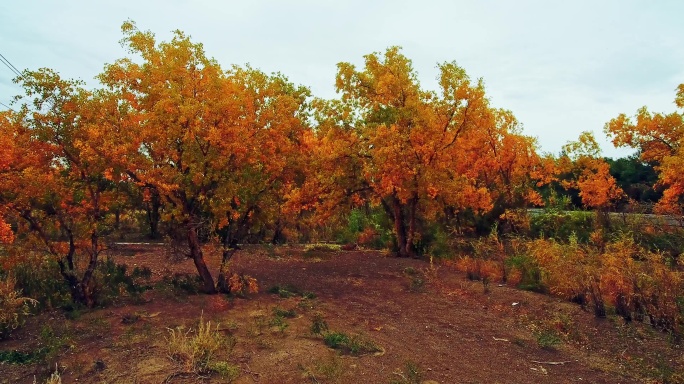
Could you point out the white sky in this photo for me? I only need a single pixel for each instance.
(561, 66)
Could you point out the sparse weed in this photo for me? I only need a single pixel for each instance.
(416, 279)
(279, 323)
(194, 351)
(114, 281)
(38, 277)
(330, 368)
(318, 324)
(318, 252)
(13, 307)
(411, 374)
(547, 339)
(19, 357)
(321, 247)
(226, 370)
(335, 340)
(53, 342)
(286, 313)
(260, 323)
(55, 378)
(241, 285)
(287, 290)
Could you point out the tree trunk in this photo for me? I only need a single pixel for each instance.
(278, 235)
(86, 281)
(75, 288)
(622, 307)
(597, 299)
(117, 219)
(403, 248)
(413, 205)
(198, 258)
(153, 215)
(222, 282)
(78, 288)
(79, 295)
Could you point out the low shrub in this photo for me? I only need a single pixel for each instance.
(622, 275)
(318, 324)
(38, 277)
(114, 281)
(187, 283)
(355, 344)
(242, 285)
(13, 306)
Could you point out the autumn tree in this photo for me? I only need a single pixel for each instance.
(53, 184)
(658, 137)
(411, 151)
(7, 156)
(218, 147)
(587, 172)
(508, 165)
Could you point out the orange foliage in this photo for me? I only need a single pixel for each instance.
(218, 146)
(634, 281)
(590, 174)
(367, 237)
(242, 284)
(658, 137)
(479, 269)
(6, 234)
(52, 181)
(388, 142)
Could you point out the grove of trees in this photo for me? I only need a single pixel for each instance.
(196, 153)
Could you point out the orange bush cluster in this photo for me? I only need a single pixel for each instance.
(619, 275)
(6, 234)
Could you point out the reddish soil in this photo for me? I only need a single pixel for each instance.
(448, 327)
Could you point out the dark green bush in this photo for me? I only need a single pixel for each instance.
(561, 225)
(361, 221)
(39, 279)
(114, 281)
(185, 283)
(335, 340)
(436, 241)
(354, 345)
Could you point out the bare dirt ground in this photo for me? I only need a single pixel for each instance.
(429, 317)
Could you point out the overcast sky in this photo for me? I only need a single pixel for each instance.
(562, 67)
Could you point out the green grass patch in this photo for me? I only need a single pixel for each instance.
(352, 344)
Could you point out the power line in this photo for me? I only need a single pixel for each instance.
(14, 70)
(10, 65)
(6, 106)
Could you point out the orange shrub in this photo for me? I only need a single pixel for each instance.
(367, 237)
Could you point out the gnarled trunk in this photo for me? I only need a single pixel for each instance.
(198, 258)
(80, 288)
